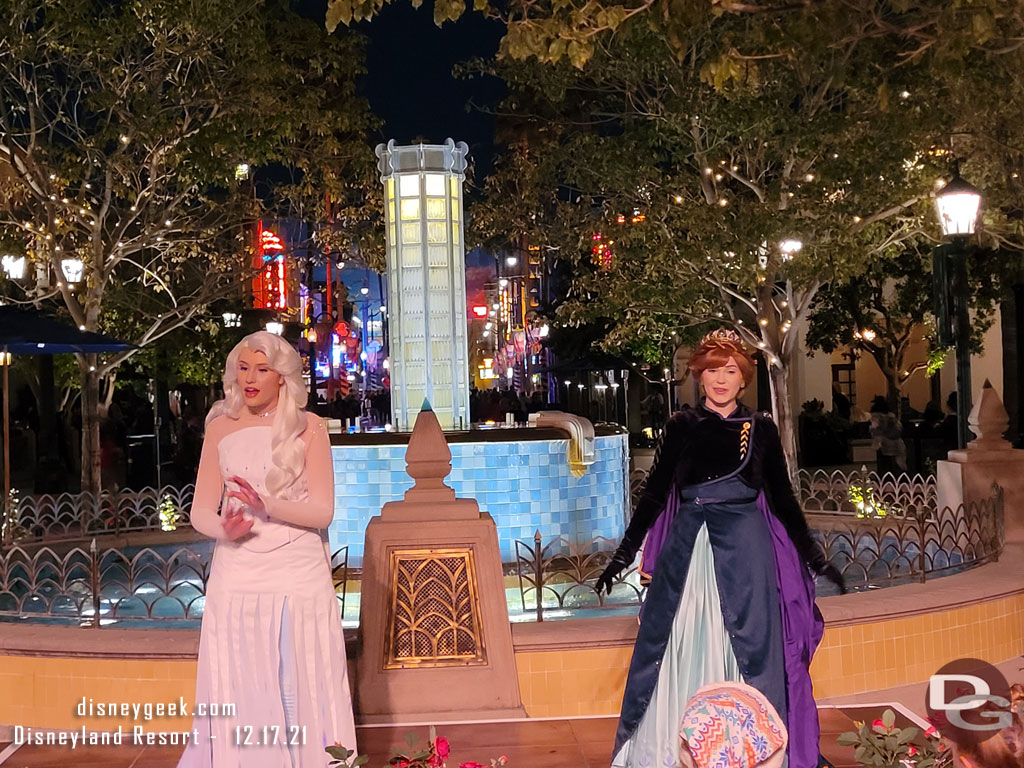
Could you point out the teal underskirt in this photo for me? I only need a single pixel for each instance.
(698, 653)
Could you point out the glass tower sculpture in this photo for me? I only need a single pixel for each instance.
(426, 264)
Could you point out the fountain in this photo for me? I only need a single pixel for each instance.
(560, 477)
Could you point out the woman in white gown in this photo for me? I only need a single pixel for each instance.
(271, 643)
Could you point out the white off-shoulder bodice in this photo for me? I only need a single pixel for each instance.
(246, 453)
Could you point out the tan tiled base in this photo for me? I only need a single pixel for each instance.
(569, 683)
(885, 654)
(851, 659)
(43, 691)
(877, 641)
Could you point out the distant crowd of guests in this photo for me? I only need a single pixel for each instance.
(373, 407)
(890, 431)
(493, 404)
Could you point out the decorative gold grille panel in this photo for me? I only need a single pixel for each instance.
(434, 612)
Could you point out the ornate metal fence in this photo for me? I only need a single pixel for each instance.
(878, 531)
(129, 587)
(561, 574)
(918, 544)
(68, 516)
(865, 494)
(921, 544)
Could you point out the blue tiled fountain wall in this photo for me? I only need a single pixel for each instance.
(525, 486)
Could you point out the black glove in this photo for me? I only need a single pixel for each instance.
(810, 552)
(616, 565)
(832, 573)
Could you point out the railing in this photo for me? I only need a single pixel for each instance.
(69, 516)
(131, 586)
(865, 494)
(65, 583)
(917, 546)
(870, 553)
(560, 575)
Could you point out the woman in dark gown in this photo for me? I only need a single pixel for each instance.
(731, 559)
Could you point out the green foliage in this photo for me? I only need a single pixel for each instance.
(189, 355)
(345, 758)
(863, 498)
(694, 154)
(169, 514)
(122, 128)
(128, 162)
(883, 745)
(719, 180)
(882, 308)
(936, 359)
(550, 31)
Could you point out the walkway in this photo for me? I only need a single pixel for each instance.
(575, 743)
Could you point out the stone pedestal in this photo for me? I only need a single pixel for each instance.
(436, 643)
(969, 474)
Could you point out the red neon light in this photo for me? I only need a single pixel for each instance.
(269, 286)
(281, 290)
(270, 241)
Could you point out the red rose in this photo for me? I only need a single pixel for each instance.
(932, 732)
(442, 747)
(435, 761)
(912, 750)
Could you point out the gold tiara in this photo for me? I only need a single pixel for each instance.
(722, 335)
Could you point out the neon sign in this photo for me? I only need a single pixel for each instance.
(269, 287)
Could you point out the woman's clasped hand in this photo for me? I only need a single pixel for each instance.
(235, 521)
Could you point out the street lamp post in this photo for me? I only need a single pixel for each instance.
(958, 204)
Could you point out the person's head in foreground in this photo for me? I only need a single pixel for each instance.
(731, 725)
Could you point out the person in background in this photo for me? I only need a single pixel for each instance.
(841, 405)
(886, 436)
(655, 405)
(932, 416)
(949, 429)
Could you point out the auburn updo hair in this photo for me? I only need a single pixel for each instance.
(716, 349)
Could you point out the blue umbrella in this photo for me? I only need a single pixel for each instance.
(29, 332)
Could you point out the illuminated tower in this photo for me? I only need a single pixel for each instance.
(426, 265)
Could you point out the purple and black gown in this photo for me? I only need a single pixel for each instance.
(731, 596)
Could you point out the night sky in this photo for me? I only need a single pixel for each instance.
(410, 84)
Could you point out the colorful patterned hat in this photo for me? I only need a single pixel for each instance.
(731, 725)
